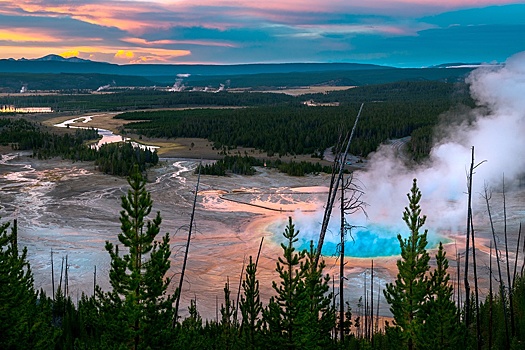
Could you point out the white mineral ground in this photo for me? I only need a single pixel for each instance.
(72, 209)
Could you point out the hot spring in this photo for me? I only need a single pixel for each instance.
(371, 241)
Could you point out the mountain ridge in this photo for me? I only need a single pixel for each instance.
(58, 64)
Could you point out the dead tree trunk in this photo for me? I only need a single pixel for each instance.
(476, 290)
(458, 267)
(372, 303)
(490, 298)
(239, 290)
(467, 244)
(487, 197)
(342, 270)
(337, 171)
(509, 284)
(351, 202)
(516, 258)
(179, 291)
(52, 275)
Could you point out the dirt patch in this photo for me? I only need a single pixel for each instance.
(302, 90)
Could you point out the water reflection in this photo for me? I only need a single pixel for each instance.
(107, 135)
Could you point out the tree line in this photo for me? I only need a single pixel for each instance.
(391, 111)
(137, 312)
(279, 123)
(115, 158)
(244, 165)
(84, 101)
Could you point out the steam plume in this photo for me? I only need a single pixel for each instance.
(496, 128)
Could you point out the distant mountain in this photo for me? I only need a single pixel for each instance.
(453, 64)
(58, 64)
(58, 58)
(465, 65)
(256, 76)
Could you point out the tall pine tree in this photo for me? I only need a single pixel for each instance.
(251, 308)
(316, 315)
(441, 330)
(138, 310)
(408, 295)
(24, 316)
(282, 312)
(17, 296)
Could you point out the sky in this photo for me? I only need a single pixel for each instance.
(401, 33)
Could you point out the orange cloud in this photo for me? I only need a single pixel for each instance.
(143, 42)
(70, 53)
(25, 35)
(125, 15)
(123, 54)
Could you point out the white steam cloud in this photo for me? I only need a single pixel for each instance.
(496, 129)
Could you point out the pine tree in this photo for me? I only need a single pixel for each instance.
(407, 297)
(24, 317)
(16, 291)
(138, 310)
(251, 307)
(228, 323)
(440, 330)
(316, 314)
(282, 312)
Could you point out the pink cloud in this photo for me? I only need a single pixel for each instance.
(144, 42)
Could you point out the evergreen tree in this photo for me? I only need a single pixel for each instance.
(24, 317)
(441, 330)
(251, 307)
(408, 295)
(16, 291)
(316, 314)
(282, 312)
(138, 310)
(228, 323)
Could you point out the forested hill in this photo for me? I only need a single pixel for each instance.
(56, 71)
(66, 66)
(391, 111)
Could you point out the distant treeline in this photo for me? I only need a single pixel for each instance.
(144, 99)
(66, 82)
(244, 165)
(360, 77)
(391, 111)
(234, 77)
(115, 158)
(277, 123)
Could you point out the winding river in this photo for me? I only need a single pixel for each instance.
(107, 135)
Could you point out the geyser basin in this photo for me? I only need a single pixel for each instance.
(374, 240)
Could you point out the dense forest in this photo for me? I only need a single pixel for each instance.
(391, 111)
(138, 313)
(66, 82)
(143, 99)
(244, 165)
(277, 123)
(114, 159)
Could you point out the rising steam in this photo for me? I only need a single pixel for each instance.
(496, 128)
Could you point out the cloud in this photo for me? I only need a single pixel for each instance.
(228, 31)
(164, 42)
(123, 54)
(70, 53)
(22, 35)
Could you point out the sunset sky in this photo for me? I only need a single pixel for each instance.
(403, 33)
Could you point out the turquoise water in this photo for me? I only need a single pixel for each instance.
(368, 242)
